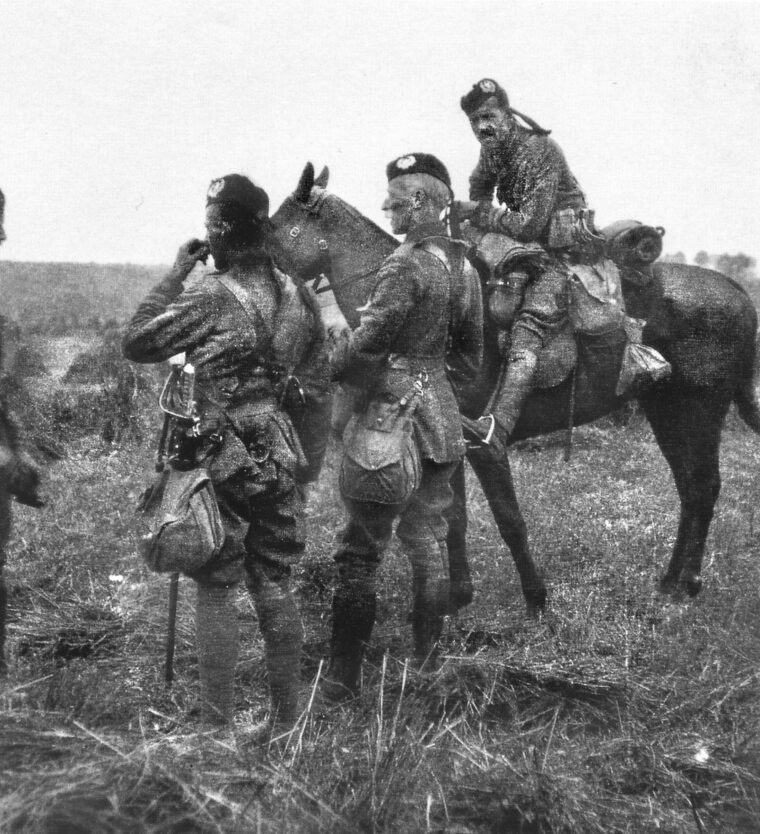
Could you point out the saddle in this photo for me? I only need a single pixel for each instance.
(595, 298)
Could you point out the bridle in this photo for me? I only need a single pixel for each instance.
(322, 283)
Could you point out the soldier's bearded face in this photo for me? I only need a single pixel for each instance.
(491, 123)
(397, 207)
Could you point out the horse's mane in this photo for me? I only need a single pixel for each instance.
(354, 213)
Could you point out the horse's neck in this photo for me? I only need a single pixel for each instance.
(354, 263)
(360, 250)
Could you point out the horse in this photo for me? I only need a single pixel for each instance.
(701, 321)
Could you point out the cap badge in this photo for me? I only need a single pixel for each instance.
(487, 86)
(216, 187)
(405, 162)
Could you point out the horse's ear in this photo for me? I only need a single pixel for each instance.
(303, 189)
(324, 176)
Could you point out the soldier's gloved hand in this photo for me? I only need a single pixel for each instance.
(188, 256)
(465, 208)
(484, 216)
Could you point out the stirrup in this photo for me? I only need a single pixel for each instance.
(474, 429)
(489, 436)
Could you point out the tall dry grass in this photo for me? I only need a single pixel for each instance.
(617, 711)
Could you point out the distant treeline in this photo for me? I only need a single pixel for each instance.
(55, 299)
(58, 298)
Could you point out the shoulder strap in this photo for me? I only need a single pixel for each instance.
(243, 298)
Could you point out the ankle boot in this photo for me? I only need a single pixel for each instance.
(216, 635)
(281, 628)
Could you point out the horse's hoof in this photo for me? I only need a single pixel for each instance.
(460, 596)
(692, 583)
(535, 602)
(668, 585)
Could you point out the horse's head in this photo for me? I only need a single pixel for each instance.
(315, 233)
(301, 230)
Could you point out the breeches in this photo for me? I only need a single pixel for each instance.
(264, 528)
(422, 522)
(543, 311)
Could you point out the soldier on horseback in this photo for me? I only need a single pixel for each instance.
(540, 203)
(565, 279)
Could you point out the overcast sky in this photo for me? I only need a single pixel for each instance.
(115, 116)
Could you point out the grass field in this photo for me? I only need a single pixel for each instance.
(617, 711)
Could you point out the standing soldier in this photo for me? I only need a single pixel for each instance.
(540, 201)
(18, 474)
(404, 440)
(245, 329)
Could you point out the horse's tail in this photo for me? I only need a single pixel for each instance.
(746, 393)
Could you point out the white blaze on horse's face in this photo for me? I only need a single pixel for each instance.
(491, 123)
(398, 206)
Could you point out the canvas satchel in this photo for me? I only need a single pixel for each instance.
(184, 526)
(380, 462)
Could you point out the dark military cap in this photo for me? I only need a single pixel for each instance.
(237, 189)
(418, 163)
(482, 91)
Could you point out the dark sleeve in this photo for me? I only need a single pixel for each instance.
(395, 294)
(312, 422)
(171, 319)
(538, 178)
(482, 182)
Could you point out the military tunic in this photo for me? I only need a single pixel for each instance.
(417, 313)
(413, 320)
(532, 180)
(259, 492)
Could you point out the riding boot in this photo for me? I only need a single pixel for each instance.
(353, 608)
(430, 588)
(216, 634)
(507, 400)
(281, 628)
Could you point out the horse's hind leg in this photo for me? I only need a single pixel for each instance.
(496, 480)
(688, 427)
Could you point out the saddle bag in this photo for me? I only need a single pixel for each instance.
(184, 526)
(641, 366)
(634, 247)
(589, 314)
(380, 463)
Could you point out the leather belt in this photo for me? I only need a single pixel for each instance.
(416, 364)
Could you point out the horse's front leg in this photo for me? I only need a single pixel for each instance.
(495, 478)
(460, 589)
